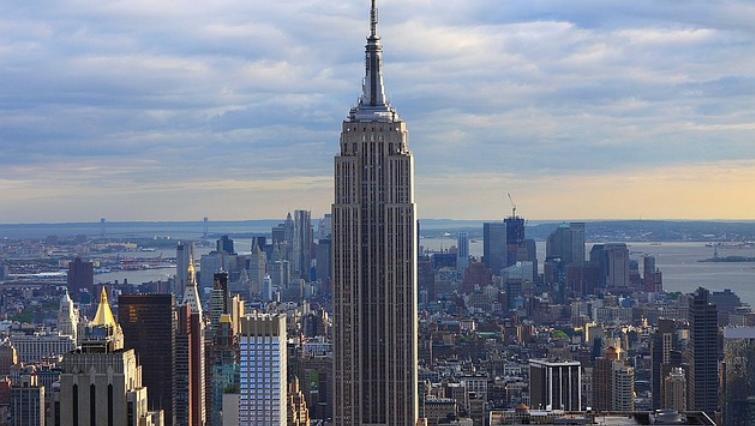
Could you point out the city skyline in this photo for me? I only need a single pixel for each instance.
(564, 105)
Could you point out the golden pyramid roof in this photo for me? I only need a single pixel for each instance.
(104, 315)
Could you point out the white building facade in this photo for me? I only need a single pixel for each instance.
(262, 391)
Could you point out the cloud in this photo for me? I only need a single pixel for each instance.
(158, 96)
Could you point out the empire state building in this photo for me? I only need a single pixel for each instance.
(374, 260)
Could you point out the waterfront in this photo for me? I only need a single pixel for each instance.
(677, 260)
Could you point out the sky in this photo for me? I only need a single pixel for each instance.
(175, 110)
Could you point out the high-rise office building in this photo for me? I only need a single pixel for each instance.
(652, 278)
(289, 230)
(278, 234)
(280, 273)
(602, 379)
(514, 238)
(196, 348)
(149, 328)
(8, 357)
(183, 367)
(302, 243)
(27, 400)
(256, 272)
(225, 245)
(618, 266)
(555, 385)
(662, 344)
(426, 278)
(220, 298)
(80, 277)
(259, 242)
(267, 289)
(68, 317)
(184, 255)
(325, 227)
(738, 376)
(462, 252)
(613, 262)
(297, 412)
(567, 243)
(704, 353)
(623, 387)
(675, 390)
(494, 246)
(263, 374)
(375, 260)
(323, 261)
(224, 365)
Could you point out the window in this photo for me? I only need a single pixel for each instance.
(92, 405)
(75, 404)
(110, 405)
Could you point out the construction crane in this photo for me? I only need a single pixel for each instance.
(513, 205)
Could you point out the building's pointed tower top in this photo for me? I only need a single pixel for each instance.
(373, 104)
(191, 294)
(104, 315)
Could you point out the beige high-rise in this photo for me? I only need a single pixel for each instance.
(374, 260)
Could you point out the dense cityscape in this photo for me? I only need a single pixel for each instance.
(362, 316)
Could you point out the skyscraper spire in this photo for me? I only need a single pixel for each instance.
(191, 294)
(374, 279)
(373, 104)
(373, 20)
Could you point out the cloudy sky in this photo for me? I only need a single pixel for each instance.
(163, 110)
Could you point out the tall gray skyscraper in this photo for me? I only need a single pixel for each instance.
(374, 260)
(704, 350)
(567, 242)
(462, 252)
(494, 253)
(302, 243)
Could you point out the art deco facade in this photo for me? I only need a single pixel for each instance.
(374, 260)
(101, 383)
